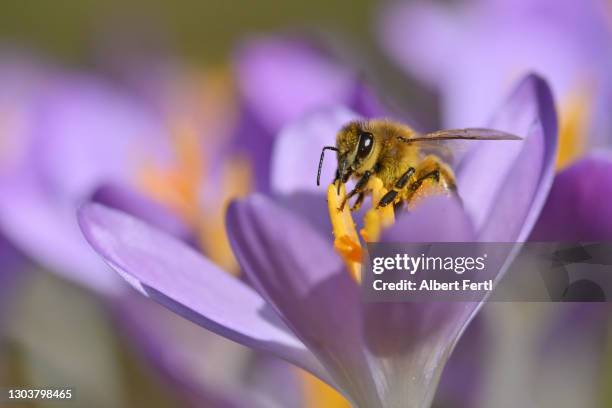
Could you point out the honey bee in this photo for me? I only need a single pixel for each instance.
(392, 152)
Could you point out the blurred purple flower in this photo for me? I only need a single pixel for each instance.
(469, 51)
(77, 133)
(577, 209)
(305, 308)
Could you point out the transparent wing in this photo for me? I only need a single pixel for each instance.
(462, 134)
(439, 142)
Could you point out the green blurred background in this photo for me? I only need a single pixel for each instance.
(203, 30)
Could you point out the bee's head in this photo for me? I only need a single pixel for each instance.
(354, 145)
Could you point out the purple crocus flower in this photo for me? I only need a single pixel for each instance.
(469, 51)
(303, 305)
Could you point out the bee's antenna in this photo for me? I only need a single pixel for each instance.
(321, 161)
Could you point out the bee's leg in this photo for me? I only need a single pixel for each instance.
(433, 176)
(359, 187)
(357, 205)
(400, 183)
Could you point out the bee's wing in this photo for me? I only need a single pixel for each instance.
(437, 142)
(462, 134)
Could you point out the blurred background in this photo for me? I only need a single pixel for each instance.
(175, 106)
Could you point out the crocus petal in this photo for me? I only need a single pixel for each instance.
(85, 124)
(296, 154)
(577, 208)
(48, 233)
(412, 340)
(281, 79)
(298, 272)
(22, 81)
(464, 376)
(503, 184)
(132, 202)
(437, 219)
(171, 273)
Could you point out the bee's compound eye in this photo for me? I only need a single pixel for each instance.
(366, 141)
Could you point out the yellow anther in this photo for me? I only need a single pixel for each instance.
(376, 219)
(346, 240)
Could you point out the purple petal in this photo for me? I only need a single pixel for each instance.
(438, 219)
(298, 272)
(412, 340)
(503, 184)
(254, 141)
(577, 208)
(463, 378)
(178, 277)
(22, 81)
(47, 232)
(296, 154)
(281, 79)
(88, 133)
(133, 203)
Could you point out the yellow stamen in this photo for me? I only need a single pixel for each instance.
(236, 182)
(574, 120)
(346, 241)
(376, 218)
(318, 394)
(178, 185)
